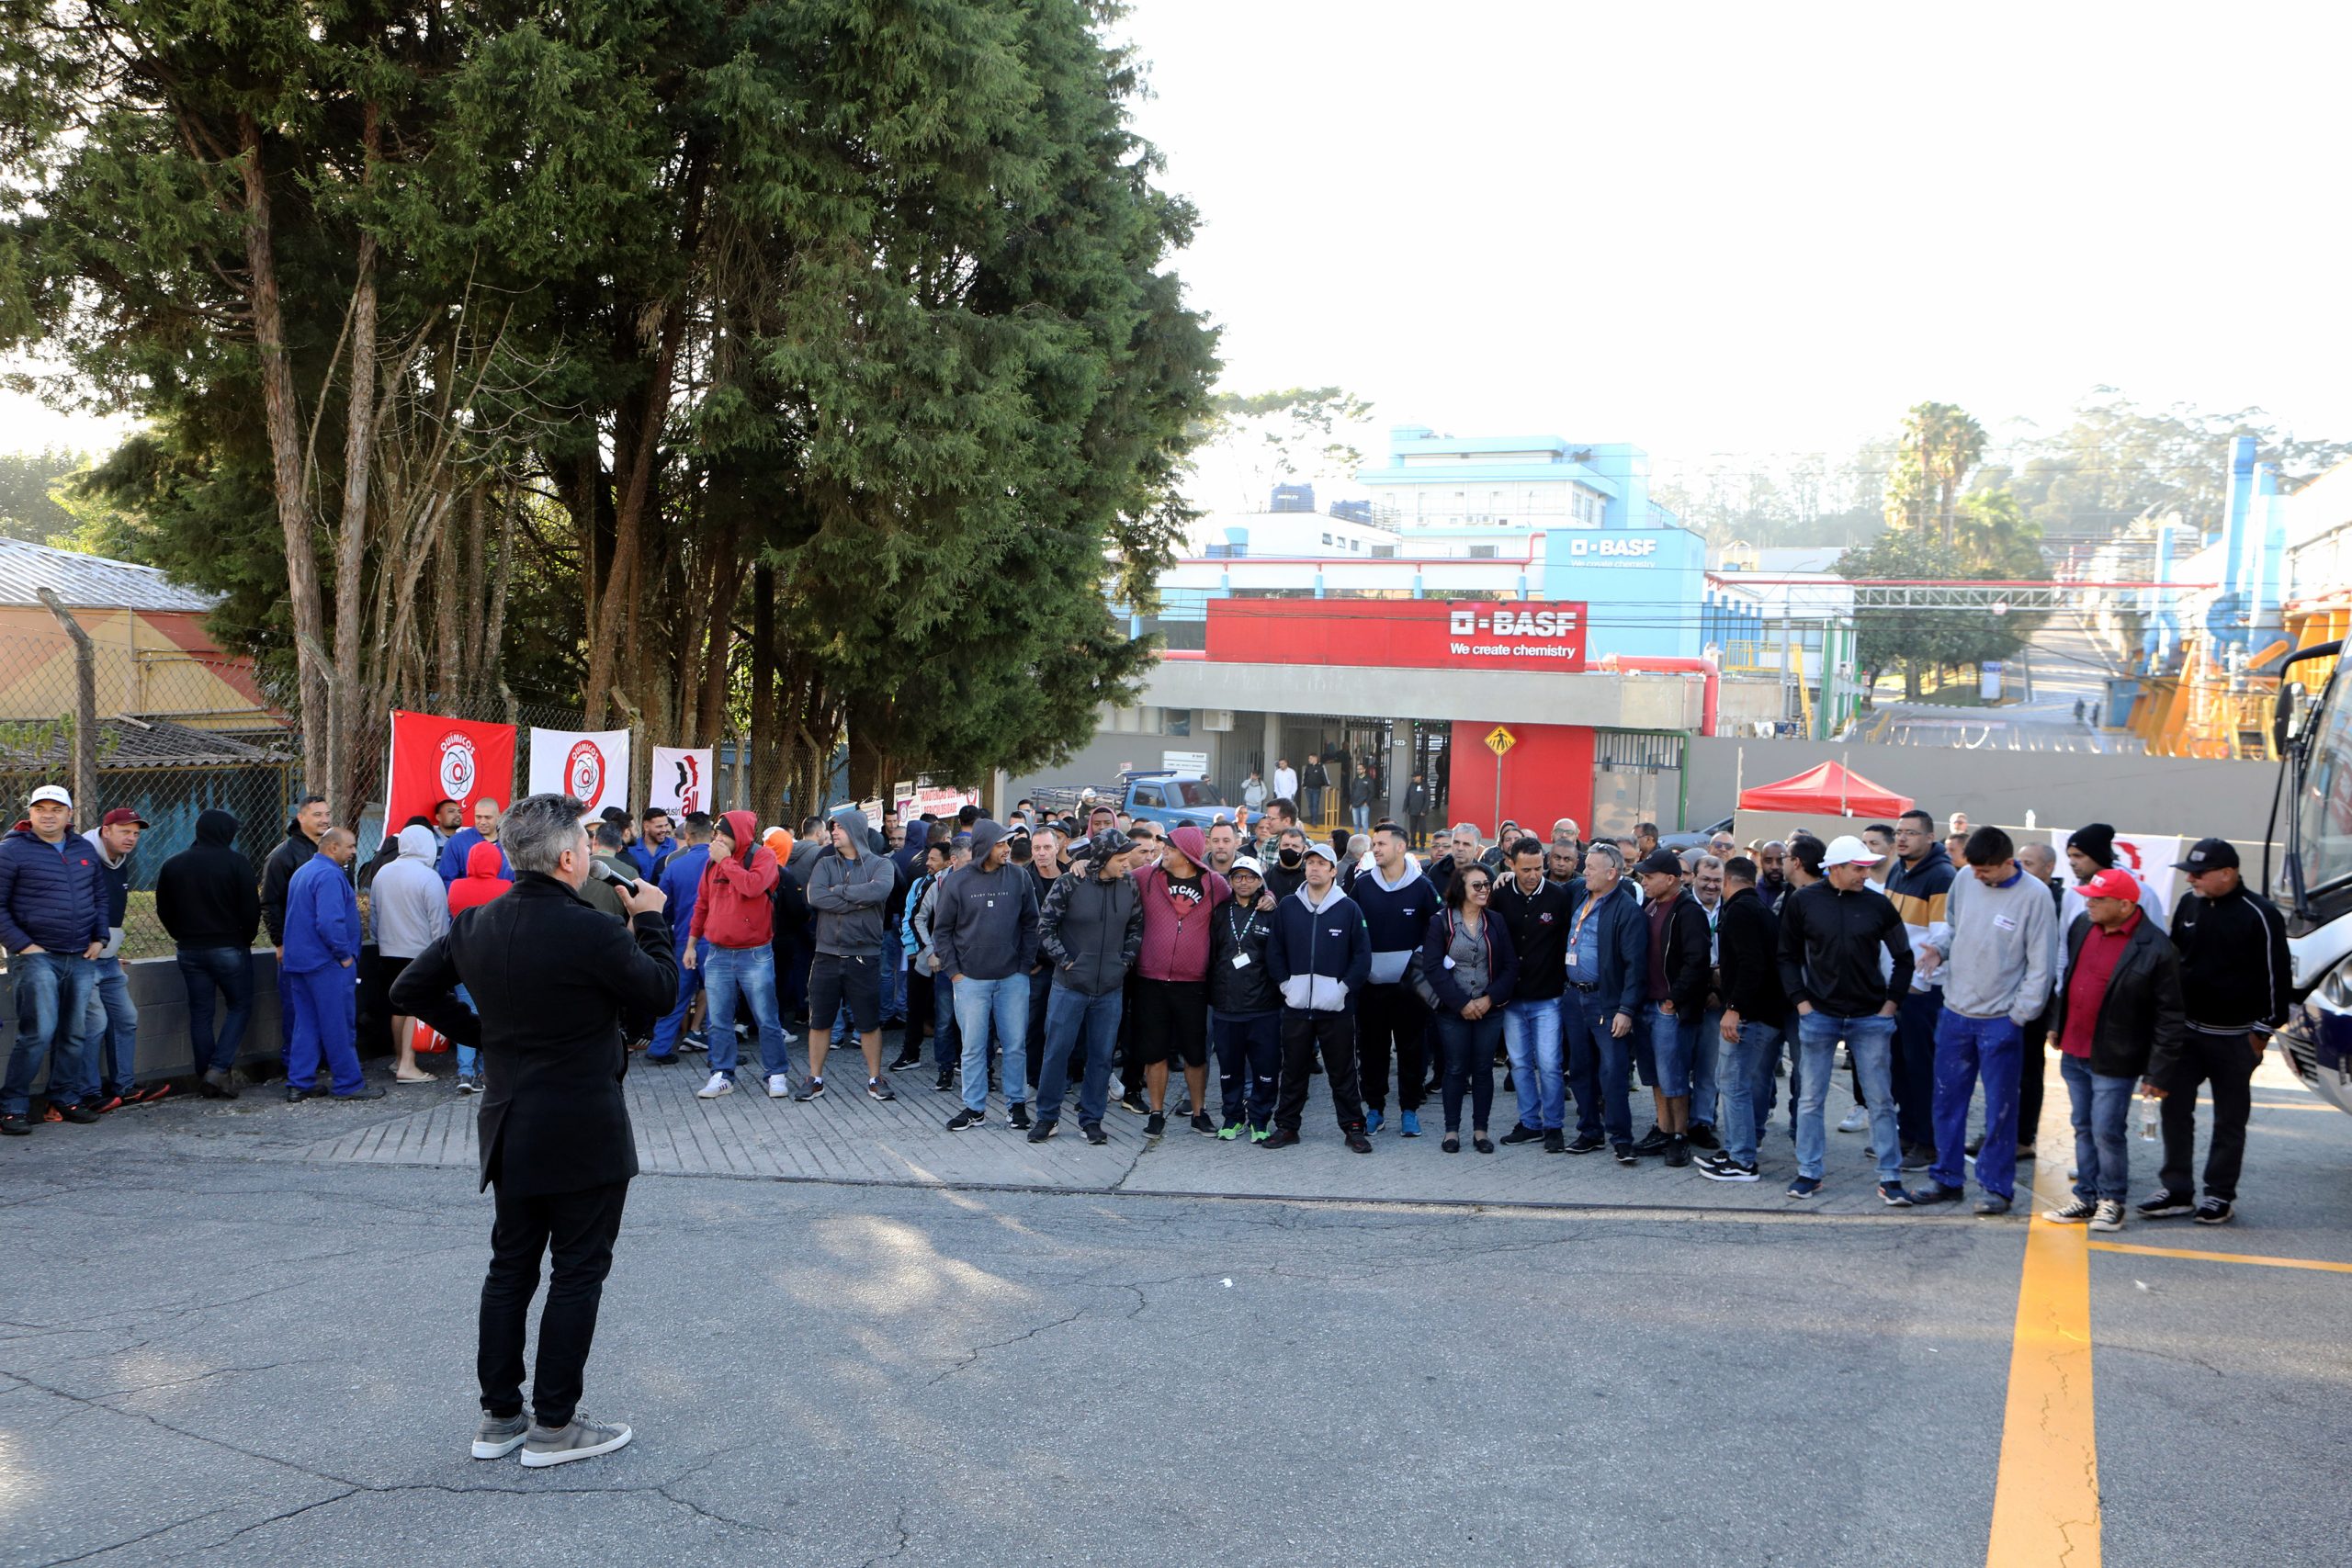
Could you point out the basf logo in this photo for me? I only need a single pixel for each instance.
(1627, 550)
(1417, 633)
(1516, 635)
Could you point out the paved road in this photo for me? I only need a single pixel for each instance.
(2068, 667)
(221, 1340)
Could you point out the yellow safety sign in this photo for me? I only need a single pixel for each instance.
(1499, 740)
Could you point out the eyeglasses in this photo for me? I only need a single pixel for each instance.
(1473, 887)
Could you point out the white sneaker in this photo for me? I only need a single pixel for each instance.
(789, 1038)
(2109, 1217)
(779, 1086)
(1856, 1119)
(719, 1084)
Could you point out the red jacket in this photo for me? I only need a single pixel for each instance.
(1175, 930)
(481, 882)
(736, 904)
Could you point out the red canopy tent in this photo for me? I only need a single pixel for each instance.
(1831, 789)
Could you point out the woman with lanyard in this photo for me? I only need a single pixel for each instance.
(1469, 965)
(1245, 1008)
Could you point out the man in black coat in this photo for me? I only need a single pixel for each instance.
(557, 986)
(205, 898)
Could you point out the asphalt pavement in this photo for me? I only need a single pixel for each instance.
(222, 1342)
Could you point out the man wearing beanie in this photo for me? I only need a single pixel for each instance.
(2090, 849)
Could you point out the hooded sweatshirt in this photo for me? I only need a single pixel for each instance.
(1396, 916)
(850, 895)
(205, 894)
(114, 880)
(406, 903)
(1920, 893)
(2003, 948)
(1177, 910)
(735, 904)
(485, 877)
(457, 855)
(984, 923)
(277, 871)
(1320, 952)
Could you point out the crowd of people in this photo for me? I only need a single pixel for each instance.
(1063, 965)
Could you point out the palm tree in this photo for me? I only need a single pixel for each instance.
(1941, 442)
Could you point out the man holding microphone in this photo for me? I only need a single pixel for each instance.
(557, 987)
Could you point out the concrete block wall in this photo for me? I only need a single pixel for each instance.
(162, 1000)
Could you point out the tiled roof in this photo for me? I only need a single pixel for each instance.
(133, 743)
(89, 582)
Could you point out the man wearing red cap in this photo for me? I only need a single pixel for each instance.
(2118, 1022)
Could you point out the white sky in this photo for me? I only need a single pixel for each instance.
(1748, 230)
(1737, 229)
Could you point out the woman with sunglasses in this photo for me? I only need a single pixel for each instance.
(1468, 962)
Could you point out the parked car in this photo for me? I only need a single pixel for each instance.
(1694, 839)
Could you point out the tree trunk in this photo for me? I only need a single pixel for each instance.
(767, 787)
(282, 420)
(351, 541)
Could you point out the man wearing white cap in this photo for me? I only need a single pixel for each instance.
(53, 923)
(1831, 935)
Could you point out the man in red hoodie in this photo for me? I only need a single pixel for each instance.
(735, 912)
(1180, 896)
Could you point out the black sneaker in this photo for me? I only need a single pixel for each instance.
(1703, 1136)
(944, 1082)
(1975, 1145)
(1727, 1169)
(1359, 1140)
(1094, 1132)
(1625, 1154)
(1555, 1142)
(1991, 1205)
(1279, 1138)
(1020, 1116)
(2214, 1212)
(1918, 1157)
(906, 1059)
(2166, 1206)
(810, 1089)
(2074, 1211)
(1708, 1162)
(1936, 1192)
(1652, 1142)
(1155, 1125)
(1522, 1134)
(1585, 1143)
(1043, 1130)
(880, 1089)
(13, 1125)
(1205, 1124)
(1131, 1103)
(965, 1118)
(82, 1115)
(1804, 1187)
(1891, 1193)
(1677, 1151)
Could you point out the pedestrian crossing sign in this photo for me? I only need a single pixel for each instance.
(1499, 740)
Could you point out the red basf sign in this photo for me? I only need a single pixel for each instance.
(1408, 634)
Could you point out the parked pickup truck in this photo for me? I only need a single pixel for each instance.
(1169, 799)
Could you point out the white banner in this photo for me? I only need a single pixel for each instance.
(2147, 856)
(682, 778)
(594, 766)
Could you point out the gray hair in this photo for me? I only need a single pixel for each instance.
(1690, 858)
(537, 829)
(1469, 828)
(1606, 850)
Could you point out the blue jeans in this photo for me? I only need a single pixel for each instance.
(52, 993)
(1870, 1038)
(110, 1032)
(469, 1056)
(1249, 1064)
(232, 970)
(326, 1004)
(1967, 1048)
(1817, 1057)
(947, 1040)
(1742, 1061)
(1601, 1070)
(1074, 1020)
(894, 988)
(1532, 1039)
(1703, 1090)
(673, 1022)
(750, 972)
(997, 1009)
(1915, 1065)
(1674, 1046)
(2102, 1152)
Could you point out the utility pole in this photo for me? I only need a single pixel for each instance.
(85, 706)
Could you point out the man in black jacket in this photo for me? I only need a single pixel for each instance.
(2119, 1025)
(1607, 963)
(1675, 1001)
(1748, 945)
(556, 988)
(206, 898)
(1831, 935)
(2235, 984)
(1535, 908)
(1090, 932)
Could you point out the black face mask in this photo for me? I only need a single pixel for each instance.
(1290, 858)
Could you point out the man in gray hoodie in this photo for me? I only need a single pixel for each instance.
(848, 886)
(984, 928)
(2002, 936)
(410, 909)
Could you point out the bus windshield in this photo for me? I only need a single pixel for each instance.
(2323, 808)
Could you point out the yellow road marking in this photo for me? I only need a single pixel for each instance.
(2255, 1258)
(2045, 1495)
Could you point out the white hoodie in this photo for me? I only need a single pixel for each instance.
(407, 904)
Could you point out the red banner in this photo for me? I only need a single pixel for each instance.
(1403, 634)
(435, 758)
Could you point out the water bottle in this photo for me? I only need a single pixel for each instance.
(2147, 1120)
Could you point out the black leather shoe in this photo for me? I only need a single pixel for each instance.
(1522, 1134)
(1652, 1142)
(1703, 1136)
